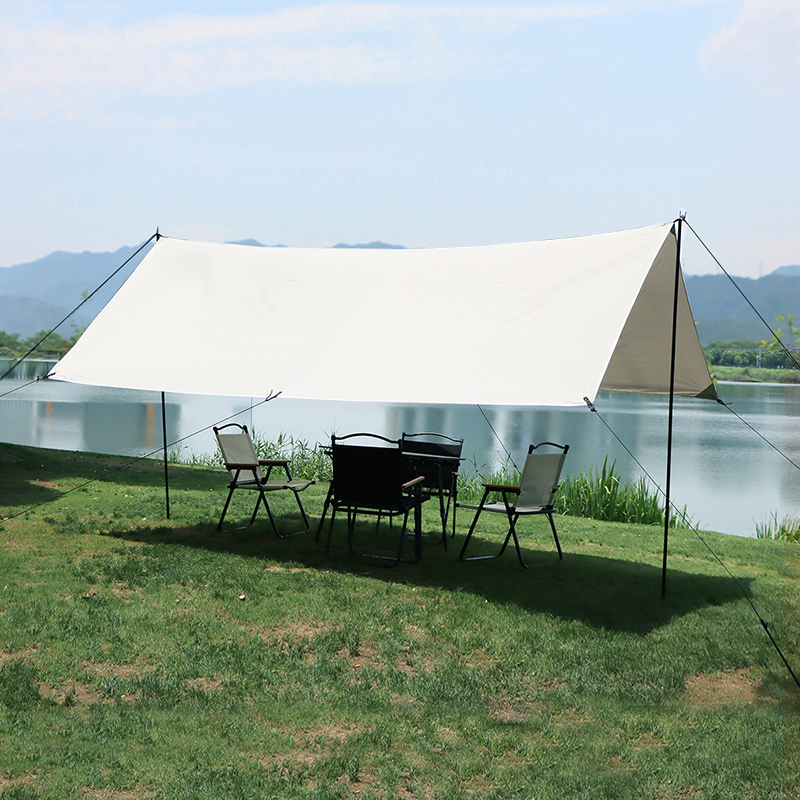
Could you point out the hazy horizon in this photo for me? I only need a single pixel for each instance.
(424, 123)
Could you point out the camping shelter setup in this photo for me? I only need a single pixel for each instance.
(540, 323)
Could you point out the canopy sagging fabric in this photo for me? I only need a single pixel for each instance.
(537, 323)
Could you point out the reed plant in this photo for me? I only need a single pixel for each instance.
(603, 494)
(308, 461)
(786, 529)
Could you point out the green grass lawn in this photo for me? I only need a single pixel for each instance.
(147, 658)
(755, 374)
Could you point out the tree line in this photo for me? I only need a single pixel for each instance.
(13, 345)
(721, 354)
(770, 354)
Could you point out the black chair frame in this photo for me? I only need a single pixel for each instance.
(439, 462)
(368, 479)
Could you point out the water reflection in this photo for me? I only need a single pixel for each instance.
(722, 471)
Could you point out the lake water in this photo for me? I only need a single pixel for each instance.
(725, 474)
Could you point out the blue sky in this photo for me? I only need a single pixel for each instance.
(420, 123)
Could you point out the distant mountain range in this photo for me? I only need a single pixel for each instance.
(723, 314)
(37, 295)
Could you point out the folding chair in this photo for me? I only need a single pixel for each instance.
(244, 468)
(533, 495)
(368, 479)
(438, 461)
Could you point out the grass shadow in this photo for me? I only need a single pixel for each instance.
(603, 591)
(23, 468)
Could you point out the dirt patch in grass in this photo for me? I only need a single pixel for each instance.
(514, 710)
(323, 735)
(552, 685)
(16, 783)
(124, 592)
(131, 671)
(366, 656)
(114, 794)
(280, 568)
(415, 632)
(480, 658)
(737, 686)
(647, 741)
(25, 652)
(313, 744)
(479, 786)
(298, 631)
(365, 782)
(569, 716)
(205, 685)
(409, 664)
(302, 630)
(75, 694)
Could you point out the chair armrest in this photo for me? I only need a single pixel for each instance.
(413, 482)
(273, 462)
(500, 487)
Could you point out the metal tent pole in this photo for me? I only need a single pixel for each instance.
(164, 434)
(671, 406)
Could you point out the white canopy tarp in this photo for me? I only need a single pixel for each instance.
(537, 323)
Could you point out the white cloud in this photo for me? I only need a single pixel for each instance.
(764, 37)
(52, 65)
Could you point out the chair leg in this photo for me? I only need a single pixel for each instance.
(325, 507)
(417, 524)
(400, 546)
(418, 534)
(306, 521)
(555, 535)
(417, 540)
(461, 556)
(330, 535)
(444, 510)
(263, 498)
(513, 532)
(351, 526)
(255, 510)
(225, 508)
(455, 506)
